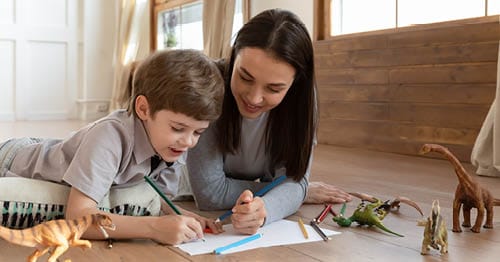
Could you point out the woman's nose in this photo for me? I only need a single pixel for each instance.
(254, 95)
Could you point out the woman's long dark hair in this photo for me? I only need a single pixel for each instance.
(290, 130)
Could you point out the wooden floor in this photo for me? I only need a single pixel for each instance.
(380, 174)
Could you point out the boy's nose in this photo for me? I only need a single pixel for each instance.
(187, 141)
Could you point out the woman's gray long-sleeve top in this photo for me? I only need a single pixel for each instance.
(217, 180)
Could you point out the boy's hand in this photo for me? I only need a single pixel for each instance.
(249, 213)
(175, 229)
(206, 223)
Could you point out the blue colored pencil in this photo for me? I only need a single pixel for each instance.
(219, 250)
(259, 193)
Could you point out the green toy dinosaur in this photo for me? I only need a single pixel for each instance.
(365, 214)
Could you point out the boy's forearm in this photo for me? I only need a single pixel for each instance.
(127, 227)
(79, 205)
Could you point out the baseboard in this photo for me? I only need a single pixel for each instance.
(89, 110)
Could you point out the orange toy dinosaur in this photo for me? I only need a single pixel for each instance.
(468, 193)
(60, 234)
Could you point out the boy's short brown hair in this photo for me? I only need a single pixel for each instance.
(183, 81)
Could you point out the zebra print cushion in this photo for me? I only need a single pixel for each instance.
(41, 201)
(26, 214)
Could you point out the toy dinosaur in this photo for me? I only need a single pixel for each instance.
(435, 234)
(468, 193)
(388, 205)
(59, 234)
(365, 214)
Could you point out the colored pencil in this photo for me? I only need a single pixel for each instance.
(169, 202)
(319, 231)
(303, 228)
(259, 193)
(323, 214)
(219, 250)
(110, 242)
(332, 212)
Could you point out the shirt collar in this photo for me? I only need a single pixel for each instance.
(143, 150)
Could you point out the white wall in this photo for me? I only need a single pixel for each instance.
(99, 33)
(303, 8)
(56, 58)
(96, 57)
(38, 54)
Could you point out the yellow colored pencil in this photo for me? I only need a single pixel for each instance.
(303, 228)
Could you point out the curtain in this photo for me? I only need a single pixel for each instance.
(217, 27)
(486, 151)
(132, 38)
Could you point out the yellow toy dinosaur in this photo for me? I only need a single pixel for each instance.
(60, 234)
(435, 234)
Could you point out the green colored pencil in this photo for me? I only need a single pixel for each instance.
(169, 202)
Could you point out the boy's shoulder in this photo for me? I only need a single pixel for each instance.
(120, 116)
(117, 122)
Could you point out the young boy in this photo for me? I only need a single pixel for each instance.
(175, 95)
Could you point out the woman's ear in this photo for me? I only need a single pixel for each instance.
(142, 107)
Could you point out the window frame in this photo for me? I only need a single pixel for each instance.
(322, 18)
(158, 6)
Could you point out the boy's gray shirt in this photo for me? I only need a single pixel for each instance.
(218, 180)
(113, 151)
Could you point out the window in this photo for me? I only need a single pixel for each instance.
(181, 26)
(351, 16)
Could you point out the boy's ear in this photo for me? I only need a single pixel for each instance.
(142, 107)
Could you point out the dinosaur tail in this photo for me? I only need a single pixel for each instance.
(381, 226)
(23, 237)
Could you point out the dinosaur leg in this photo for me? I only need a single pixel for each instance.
(425, 246)
(466, 209)
(38, 253)
(443, 237)
(456, 214)
(479, 220)
(444, 246)
(489, 217)
(58, 251)
(74, 240)
(82, 243)
(443, 242)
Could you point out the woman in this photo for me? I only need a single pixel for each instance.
(266, 129)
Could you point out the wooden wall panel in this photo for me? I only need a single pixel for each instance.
(422, 55)
(394, 90)
(484, 72)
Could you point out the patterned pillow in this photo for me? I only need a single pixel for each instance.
(28, 202)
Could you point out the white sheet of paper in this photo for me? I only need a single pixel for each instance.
(282, 232)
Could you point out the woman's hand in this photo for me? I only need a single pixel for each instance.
(321, 193)
(249, 213)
